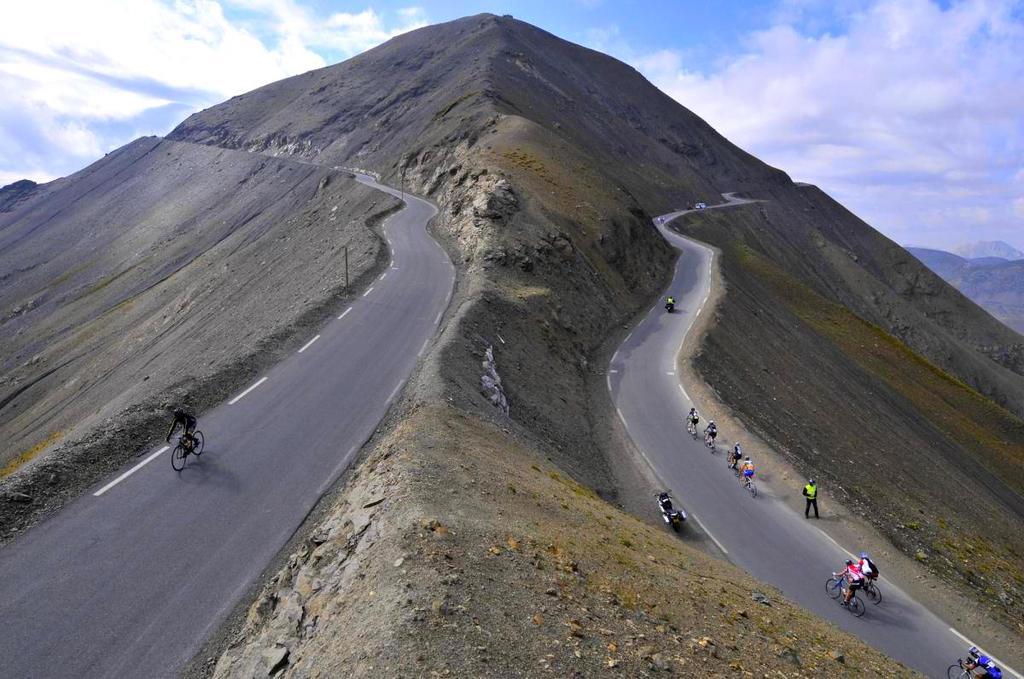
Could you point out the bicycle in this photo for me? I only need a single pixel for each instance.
(834, 586)
(709, 441)
(854, 605)
(872, 592)
(188, 444)
(748, 483)
(691, 429)
(958, 671)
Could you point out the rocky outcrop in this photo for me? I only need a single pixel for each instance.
(14, 194)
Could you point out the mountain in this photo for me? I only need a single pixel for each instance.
(14, 193)
(988, 248)
(547, 161)
(995, 283)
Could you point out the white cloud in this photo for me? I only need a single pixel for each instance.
(1018, 207)
(77, 78)
(908, 111)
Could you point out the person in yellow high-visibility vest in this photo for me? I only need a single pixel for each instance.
(811, 493)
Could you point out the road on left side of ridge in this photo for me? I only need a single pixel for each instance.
(130, 583)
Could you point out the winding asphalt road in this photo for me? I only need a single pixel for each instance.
(767, 537)
(131, 578)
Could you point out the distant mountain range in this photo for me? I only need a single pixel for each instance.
(993, 282)
(988, 248)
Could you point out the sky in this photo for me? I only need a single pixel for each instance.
(909, 112)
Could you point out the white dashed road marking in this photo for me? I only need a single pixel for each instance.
(131, 471)
(308, 344)
(344, 313)
(368, 291)
(239, 397)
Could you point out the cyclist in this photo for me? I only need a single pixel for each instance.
(670, 304)
(854, 580)
(692, 419)
(188, 424)
(710, 432)
(867, 567)
(746, 472)
(735, 456)
(976, 659)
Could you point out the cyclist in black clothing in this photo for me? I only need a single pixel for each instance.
(188, 424)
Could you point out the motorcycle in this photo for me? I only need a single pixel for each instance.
(670, 306)
(672, 516)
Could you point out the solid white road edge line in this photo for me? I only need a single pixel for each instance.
(708, 533)
(608, 379)
(438, 319)
(239, 397)
(423, 349)
(131, 471)
(344, 313)
(684, 391)
(1002, 665)
(832, 540)
(308, 344)
(395, 391)
(368, 291)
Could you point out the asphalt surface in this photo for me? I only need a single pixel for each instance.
(764, 535)
(131, 578)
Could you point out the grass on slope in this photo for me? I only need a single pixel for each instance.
(977, 423)
(487, 561)
(988, 432)
(17, 461)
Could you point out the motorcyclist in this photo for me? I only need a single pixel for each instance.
(665, 502)
(978, 660)
(187, 421)
(670, 303)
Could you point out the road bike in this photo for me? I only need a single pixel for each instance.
(691, 429)
(748, 483)
(188, 444)
(836, 585)
(871, 591)
(709, 441)
(958, 671)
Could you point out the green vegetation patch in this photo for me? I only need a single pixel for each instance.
(981, 426)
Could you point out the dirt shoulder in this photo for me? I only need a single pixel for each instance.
(137, 421)
(838, 521)
(479, 557)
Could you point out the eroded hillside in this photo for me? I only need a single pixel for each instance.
(547, 161)
(165, 273)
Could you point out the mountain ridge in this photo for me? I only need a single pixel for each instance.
(547, 161)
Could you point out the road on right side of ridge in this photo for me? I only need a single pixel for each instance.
(767, 537)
